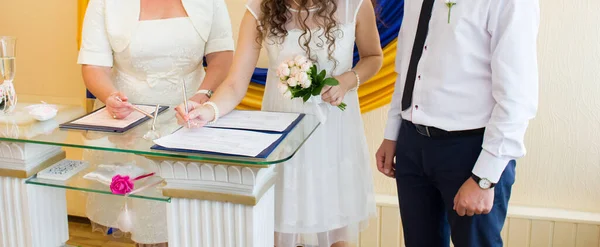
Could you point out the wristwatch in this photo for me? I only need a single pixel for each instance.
(483, 183)
(208, 92)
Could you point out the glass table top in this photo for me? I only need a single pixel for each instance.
(19, 126)
(77, 182)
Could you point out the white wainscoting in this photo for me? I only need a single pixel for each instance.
(525, 227)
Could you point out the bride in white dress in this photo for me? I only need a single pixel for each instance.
(324, 195)
(142, 51)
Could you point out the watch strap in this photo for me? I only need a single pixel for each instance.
(478, 179)
(207, 92)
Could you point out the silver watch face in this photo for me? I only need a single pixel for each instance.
(485, 184)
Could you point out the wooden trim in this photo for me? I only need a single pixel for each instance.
(525, 226)
(26, 174)
(554, 214)
(523, 212)
(78, 219)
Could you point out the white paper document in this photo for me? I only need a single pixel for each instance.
(226, 141)
(257, 120)
(103, 118)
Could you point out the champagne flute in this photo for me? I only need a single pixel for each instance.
(7, 72)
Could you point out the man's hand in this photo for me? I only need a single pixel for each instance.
(471, 200)
(385, 158)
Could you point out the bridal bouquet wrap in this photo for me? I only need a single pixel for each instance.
(300, 79)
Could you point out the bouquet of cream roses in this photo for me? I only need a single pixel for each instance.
(299, 79)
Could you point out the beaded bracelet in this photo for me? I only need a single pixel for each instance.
(215, 109)
(357, 79)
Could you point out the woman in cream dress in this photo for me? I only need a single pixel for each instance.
(141, 51)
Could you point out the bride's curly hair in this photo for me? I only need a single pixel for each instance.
(275, 15)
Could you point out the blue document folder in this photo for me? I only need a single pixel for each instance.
(264, 154)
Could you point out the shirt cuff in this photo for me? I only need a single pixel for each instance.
(95, 58)
(217, 45)
(392, 128)
(489, 166)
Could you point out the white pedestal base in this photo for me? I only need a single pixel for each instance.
(198, 223)
(30, 216)
(219, 205)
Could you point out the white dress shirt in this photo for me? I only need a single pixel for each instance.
(479, 70)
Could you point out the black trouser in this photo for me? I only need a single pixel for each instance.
(429, 172)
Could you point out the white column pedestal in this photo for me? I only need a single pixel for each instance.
(219, 205)
(30, 216)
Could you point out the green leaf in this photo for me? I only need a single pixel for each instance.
(317, 90)
(303, 92)
(296, 91)
(313, 71)
(331, 82)
(321, 75)
(306, 97)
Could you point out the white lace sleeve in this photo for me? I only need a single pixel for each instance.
(221, 36)
(253, 7)
(348, 10)
(95, 47)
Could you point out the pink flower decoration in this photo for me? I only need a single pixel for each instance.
(121, 185)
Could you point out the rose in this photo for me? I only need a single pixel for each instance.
(303, 80)
(306, 66)
(283, 71)
(121, 185)
(282, 88)
(292, 82)
(294, 71)
(306, 84)
(301, 77)
(288, 94)
(290, 63)
(300, 60)
(284, 65)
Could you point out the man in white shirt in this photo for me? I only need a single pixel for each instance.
(467, 87)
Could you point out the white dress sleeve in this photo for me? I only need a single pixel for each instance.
(253, 7)
(95, 47)
(221, 36)
(348, 10)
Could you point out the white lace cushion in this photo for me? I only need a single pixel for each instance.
(221, 36)
(95, 47)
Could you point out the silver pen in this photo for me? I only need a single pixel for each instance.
(155, 117)
(137, 108)
(185, 103)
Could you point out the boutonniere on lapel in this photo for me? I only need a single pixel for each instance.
(450, 4)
